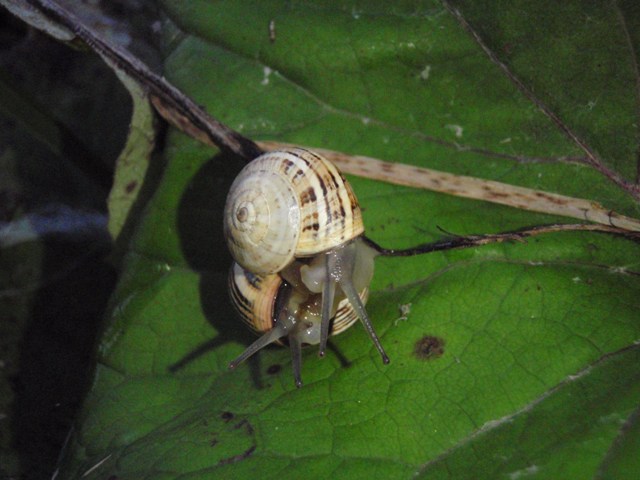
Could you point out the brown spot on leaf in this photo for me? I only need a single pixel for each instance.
(273, 369)
(429, 348)
(227, 416)
(131, 186)
(244, 424)
(237, 458)
(240, 432)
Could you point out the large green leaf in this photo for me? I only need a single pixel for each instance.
(538, 374)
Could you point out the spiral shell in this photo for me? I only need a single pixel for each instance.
(257, 298)
(254, 297)
(288, 204)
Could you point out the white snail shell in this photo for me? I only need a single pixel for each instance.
(288, 204)
(294, 227)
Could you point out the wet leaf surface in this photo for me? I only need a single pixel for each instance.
(536, 372)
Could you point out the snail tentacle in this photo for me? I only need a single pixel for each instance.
(351, 293)
(341, 265)
(296, 358)
(269, 337)
(328, 294)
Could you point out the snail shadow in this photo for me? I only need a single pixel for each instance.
(200, 214)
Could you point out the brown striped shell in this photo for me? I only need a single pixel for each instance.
(257, 298)
(288, 204)
(254, 297)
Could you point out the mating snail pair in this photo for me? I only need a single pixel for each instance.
(302, 269)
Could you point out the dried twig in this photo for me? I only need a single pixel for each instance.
(475, 188)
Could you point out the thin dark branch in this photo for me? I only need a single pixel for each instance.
(513, 236)
(171, 103)
(591, 156)
(460, 147)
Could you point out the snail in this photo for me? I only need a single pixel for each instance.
(302, 269)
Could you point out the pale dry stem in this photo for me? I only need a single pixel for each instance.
(474, 188)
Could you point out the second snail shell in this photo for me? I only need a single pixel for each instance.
(258, 299)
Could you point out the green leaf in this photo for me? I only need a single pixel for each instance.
(133, 162)
(535, 368)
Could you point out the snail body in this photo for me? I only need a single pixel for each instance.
(294, 228)
(276, 309)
